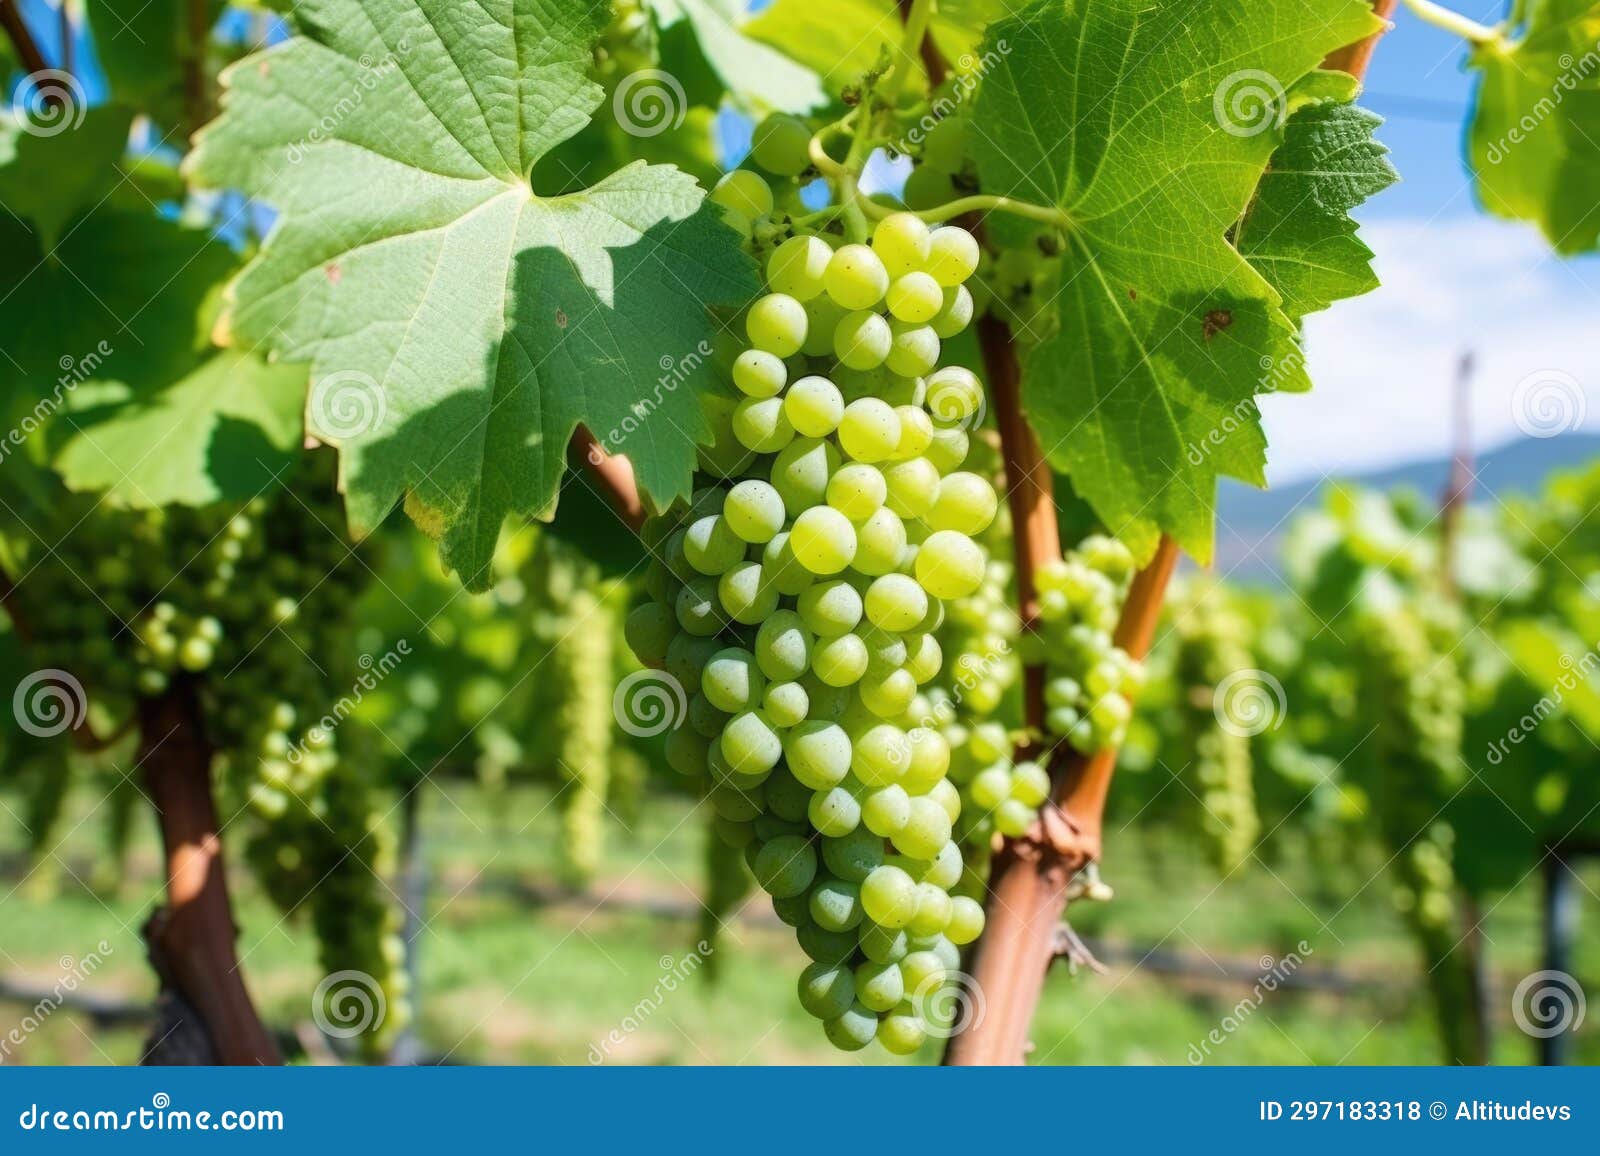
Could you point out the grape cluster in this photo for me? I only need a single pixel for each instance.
(796, 601)
(251, 606)
(1092, 681)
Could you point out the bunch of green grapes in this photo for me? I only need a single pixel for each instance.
(1219, 715)
(1412, 697)
(794, 604)
(1088, 692)
(575, 626)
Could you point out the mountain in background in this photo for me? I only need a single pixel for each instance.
(1251, 522)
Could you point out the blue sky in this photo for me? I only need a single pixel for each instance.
(1453, 278)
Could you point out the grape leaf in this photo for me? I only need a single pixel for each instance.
(752, 71)
(1298, 232)
(459, 326)
(121, 296)
(1534, 143)
(220, 433)
(1150, 126)
(47, 178)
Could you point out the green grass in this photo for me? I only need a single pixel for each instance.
(504, 981)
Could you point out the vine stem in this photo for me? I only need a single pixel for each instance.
(1453, 22)
(1029, 877)
(915, 16)
(191, 938)
(614, 475)
(22, 39)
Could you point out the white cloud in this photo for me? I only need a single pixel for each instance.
(1384, 364)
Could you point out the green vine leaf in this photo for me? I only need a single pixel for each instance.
(1298, 231)
(49, 174)
(220, 433)
(1534, 143)
(1166, 332)
(460, 327)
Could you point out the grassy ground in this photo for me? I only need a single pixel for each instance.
(507, 981)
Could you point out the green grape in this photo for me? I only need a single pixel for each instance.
(856, 277)
(965, 503)
(869, 431)
(913, 487)
(945, 146)
(751, 744)
(927, 188)
(955, 313)
(857, 490)
(881, 755)
(786, 704)
(745, 595)
(818, 755)
(711, 546)
(745, 193)
(896, 602)
(880, 543)
(823, 315)
(759, 374)
(830, 609)
(777, 325)
(862, 340)
(883, 944)
(885, 810)
(814, 407)
(952, 255)
(916, 432)
(827, 990)
(839, 661)
(801, 471)
(835, 905)
(901, 242)
(916, 298)
(754, 511)
(927, 829)
(834, 812)
(761, 426)
(781, 144)
(913, 349)
(901, 1032)
(889, 898)
(823, 539)
(955, 395)
(950, 565)
(797, 267)
(966, 920)
(853, 1030)
(783, 646)
(853, 856)
(879, 986)
(648, 631)
(785, 866)
(934, 908)
(732, 682)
